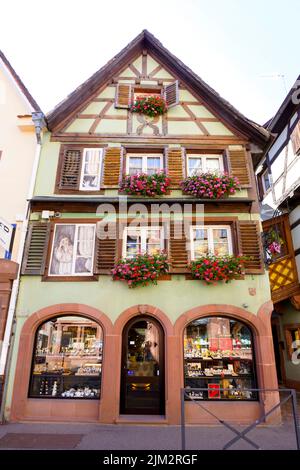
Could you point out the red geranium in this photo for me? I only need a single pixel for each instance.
(211, 269)
(141, 270)
(210, 185)
(142, 184)
(150, 105)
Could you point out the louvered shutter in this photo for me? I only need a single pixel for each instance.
(70, 169)
(178, 249)
(250, 245)
(105, 255)
(239, 166)
(123, 95)
(295, 138)
(35, 252)
(175, 162)
(112, 166)
(171, 94)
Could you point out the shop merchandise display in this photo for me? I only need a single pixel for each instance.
(85, 392)
(218, 353)
(68, 359)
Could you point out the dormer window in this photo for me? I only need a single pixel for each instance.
(126, 93)
(146, 92)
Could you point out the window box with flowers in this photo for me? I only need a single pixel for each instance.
(152, 106)
(210, 185)
(274, 244)
(213, 269)
(142, 184)
(141, 270)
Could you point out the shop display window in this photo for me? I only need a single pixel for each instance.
(292, 337)
(218, 354)
(67, 359)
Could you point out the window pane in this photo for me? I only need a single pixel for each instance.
(63, 248)
(195, 166)
(221, 243)
(91, 169)
(200, 242)
(212, 164)
(85, 247)
(266, 181)
(67, 359)
(218, 353)
(135, 165)
(133, 244)
(153, 245)
(153, 165)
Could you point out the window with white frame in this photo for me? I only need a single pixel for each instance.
(210, 239)
(91, 169)
(266, 180)
(197, 164)
(142, 240)
(72, 252)
(148, 163)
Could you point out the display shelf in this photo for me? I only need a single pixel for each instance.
(45, 381)
(210, 359)
(241, 376)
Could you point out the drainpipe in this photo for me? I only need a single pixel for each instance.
(6, 352)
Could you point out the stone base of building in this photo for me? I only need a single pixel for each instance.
(108, 408)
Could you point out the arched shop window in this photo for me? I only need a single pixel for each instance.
(67, 359)
(218, 354)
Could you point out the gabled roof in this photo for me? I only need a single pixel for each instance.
(146, 40)
(19, 83)
(286, 110)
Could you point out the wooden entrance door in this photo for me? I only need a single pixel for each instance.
(142, 373)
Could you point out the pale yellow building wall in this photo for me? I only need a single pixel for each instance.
(18, 145)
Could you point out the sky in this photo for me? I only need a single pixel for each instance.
(247, 50)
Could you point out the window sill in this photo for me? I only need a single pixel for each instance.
(70, 278)
(79, 191)
(189, 277)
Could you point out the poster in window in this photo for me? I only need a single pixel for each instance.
(63, 247)
(72, 251)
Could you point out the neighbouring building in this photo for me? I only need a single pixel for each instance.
(90, 348)
(18, 153)
(278, 177)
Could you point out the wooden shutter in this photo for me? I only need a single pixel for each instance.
(36, 248)
(250, 245)
(69, 168)
(123, 95)
(295, 138)
(171, 94)
(239, 166)
(178, 249)
(175, 163)
(112, 166)
(105, 255)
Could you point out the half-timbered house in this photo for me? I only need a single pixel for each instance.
(90, 348)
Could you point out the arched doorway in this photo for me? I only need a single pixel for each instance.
(142, 368)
